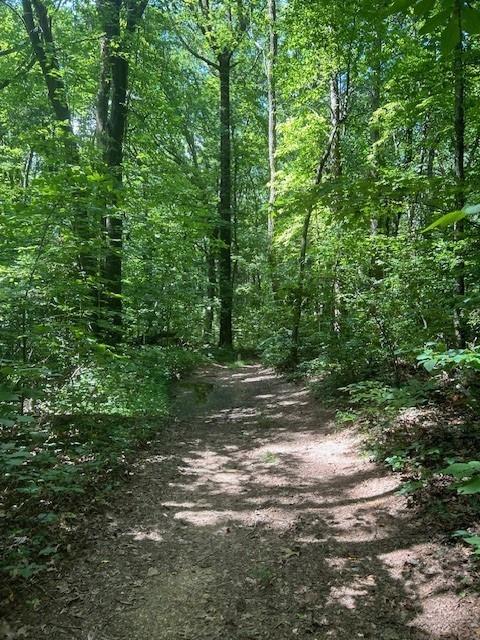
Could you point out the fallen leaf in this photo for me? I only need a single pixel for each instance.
(152, 572)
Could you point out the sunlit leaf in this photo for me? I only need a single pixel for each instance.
(446, 220)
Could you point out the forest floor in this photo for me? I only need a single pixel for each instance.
(253, 516)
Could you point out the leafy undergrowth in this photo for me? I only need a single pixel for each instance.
(57, 465)
(427, 432)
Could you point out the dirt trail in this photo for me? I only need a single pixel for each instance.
(252, 517)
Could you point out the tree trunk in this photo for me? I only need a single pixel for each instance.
(111, 116)
(335, 119)
(376, 90)
(459, 117)
(272, 140)
(211, 289)
(299, 293)
(225, 204)
(272, 113)
(300, 286)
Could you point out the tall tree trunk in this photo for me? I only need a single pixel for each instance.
(375, 101)
(459, 118)
(272, 112)
(222, 64)
(300, 285)
(335, 119)
(225, 204)
(272, 55)
(211, 289)
(111, 128)
(300, 288)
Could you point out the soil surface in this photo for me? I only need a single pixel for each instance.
(253, 517)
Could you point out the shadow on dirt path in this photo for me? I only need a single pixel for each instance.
(252, 517)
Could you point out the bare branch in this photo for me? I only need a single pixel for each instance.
(195, 53)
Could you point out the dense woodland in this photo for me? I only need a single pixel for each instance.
(182, 180)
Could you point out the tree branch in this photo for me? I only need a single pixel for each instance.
(195, 53)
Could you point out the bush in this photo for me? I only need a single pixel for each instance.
(276, 350)
(56, 463)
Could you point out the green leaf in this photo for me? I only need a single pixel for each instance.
(470, 487)
(7, 422)
(474, 540)
(7, 396)
(462, 469)
(472, 20)
(429, 365)
(424, 7)
(454, 216)
(450, 37)
(407, 488)
(48, 551)
(447, 219)
(432, 24)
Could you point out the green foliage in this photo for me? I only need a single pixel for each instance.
(376, 395)
(132, 383)
(467, 359)
(54, 467)
(453, 217)
(275, 350)
(467, 476)
(367, 158)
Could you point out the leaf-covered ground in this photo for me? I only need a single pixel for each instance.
(253, 517)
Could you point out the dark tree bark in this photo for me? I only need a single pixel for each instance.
(111, 116)
(211, 290)
(222, 64)
(375, 102)
(272, 112)
(336, 121)
(272, 55)
(225, 204)
(39, 29)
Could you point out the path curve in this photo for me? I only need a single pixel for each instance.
(253, 517)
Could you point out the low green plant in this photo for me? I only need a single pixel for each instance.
(263, 575)
(467, 476)
(375, 394)
(276, 350)
(57, 463)
(434, 358)
(346, 417)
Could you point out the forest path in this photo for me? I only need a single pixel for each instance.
(253, 517)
